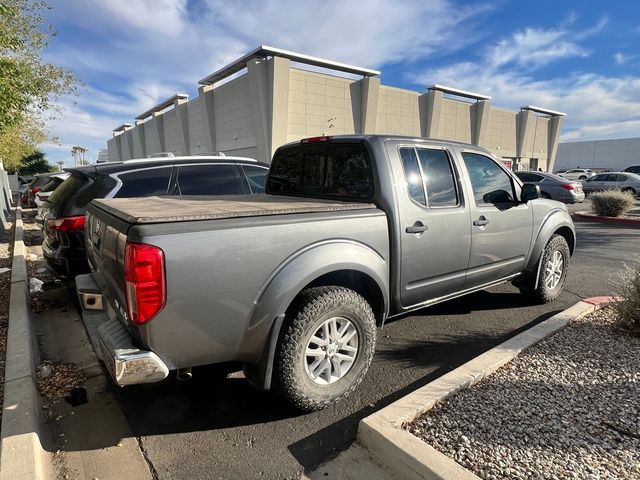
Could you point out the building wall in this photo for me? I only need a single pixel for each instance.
(320, 104)
(398, 112)
(612, 154)
(455, 121)
(273, 103)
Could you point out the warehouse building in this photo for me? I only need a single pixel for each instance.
(613, 155)
(273, 98)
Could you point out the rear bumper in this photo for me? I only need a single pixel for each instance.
(126, 363)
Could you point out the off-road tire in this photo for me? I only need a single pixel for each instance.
(543, 294)
(311, 309)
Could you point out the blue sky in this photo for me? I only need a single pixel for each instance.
(579, 57)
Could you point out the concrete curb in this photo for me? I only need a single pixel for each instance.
(410, 458)
(22, 455)
(611, 220)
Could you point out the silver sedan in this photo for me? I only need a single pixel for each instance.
(625, 181)
(554, 187)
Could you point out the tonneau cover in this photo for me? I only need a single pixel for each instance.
(188, 208)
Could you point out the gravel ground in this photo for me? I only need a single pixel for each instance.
(569, 407)
(6, 256)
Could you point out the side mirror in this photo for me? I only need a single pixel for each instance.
(529, 191)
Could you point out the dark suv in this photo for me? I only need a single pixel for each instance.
(63, 213)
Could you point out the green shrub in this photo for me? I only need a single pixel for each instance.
(627, 289)
(611, 203)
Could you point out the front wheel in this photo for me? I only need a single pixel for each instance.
(325, 347)
(553, 272)
(582, 177)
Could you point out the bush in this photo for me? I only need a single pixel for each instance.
(612, 203)
(627, 289)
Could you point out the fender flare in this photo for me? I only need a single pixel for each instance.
(556, 220)
(290, 278)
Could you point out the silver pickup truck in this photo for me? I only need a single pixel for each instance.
(353, 230)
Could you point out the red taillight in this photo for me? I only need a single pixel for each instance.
(323, 138)
(35, 190)
(568, 186)
(67, 224)
(144, 280)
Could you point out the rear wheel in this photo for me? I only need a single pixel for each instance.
(325, 347)
(582, 177)
(553, 272)
(629, 190)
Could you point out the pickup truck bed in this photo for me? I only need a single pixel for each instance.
(184, 209)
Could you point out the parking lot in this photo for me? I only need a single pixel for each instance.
(212, 427)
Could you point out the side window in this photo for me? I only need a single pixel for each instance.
(525, 177)
(620, 178)
(208, 180)
(438, 178)
(412, 174)
(256, 178)
(144, 183)
(491, 184)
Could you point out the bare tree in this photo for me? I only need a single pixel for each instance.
(78, 154)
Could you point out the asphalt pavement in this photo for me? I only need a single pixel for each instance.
(223, 428)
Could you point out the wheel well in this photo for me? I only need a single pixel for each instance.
(359, 282)
(568, 236)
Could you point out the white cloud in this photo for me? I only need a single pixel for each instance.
(621, 58)
(597, 106)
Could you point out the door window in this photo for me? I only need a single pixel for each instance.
(491, 184)
(208, 180)
(144, 183)
(412, 175)
(438, 178)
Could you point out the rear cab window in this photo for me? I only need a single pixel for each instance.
(335, 170)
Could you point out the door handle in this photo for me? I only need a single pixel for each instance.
(481, 222)
(417, 227)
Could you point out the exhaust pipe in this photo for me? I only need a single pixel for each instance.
(184, 374)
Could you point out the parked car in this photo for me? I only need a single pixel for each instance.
(45, 192)
(633, 169)
(28, 197)
(554, 187)
(577, 174)
(353, 230)
(625, 181)
(63, 213)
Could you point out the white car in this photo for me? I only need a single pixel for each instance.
(577, 174)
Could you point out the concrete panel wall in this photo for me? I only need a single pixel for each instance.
(234, 125)
(172, 140)
(540, 137)
(322, 104)
(613, 154)
(398, 112)
(151, 136)
(501, 133)
(455, 121)
(197, 136)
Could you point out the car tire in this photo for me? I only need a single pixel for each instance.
(582, 177)
(630, 190)
(545, 195)
(550, 278)
(303, 382)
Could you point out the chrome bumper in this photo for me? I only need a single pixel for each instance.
(126, 363)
